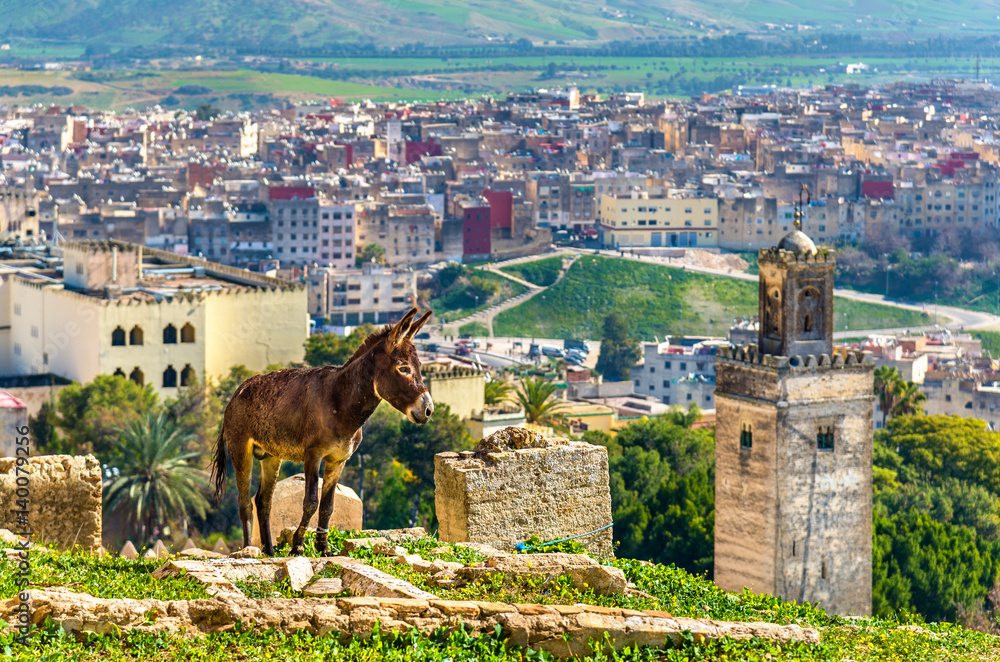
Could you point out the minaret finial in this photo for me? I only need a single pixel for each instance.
(798, 208)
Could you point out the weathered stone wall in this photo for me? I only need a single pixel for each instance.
(791, 519)
(563, 630)
(65, 499)
(517, 484)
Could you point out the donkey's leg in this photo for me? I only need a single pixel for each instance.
(242, 459)
(310, 501)
(269, 467)
(331, 475)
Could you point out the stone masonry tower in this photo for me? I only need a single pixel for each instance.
(793, 450)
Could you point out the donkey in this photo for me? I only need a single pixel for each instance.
(313, 414)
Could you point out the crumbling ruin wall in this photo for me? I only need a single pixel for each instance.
(516, 484)
(64, 495)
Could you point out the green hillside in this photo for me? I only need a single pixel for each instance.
(660, 301)
(317, 22)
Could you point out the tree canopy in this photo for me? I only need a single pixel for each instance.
(619, 351)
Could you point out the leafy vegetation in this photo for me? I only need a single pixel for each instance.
(330, 349)
(458, 291)
(158, 483)
(660, 301)
(538, 399)
(619, 350)
(540, 272)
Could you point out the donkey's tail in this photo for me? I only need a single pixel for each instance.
(219, 465)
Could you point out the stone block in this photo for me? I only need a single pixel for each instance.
(299, 570)
(585, 572)
(65, 499)
(368, 581)
(519, 485)
(286, 508)
(322, 588)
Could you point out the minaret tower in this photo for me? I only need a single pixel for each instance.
(793, 445)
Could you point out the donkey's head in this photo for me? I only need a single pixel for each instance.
(397, 374)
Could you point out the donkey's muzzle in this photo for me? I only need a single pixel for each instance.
(422, 409)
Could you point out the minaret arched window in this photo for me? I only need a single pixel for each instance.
(824, 438)
(746, 437)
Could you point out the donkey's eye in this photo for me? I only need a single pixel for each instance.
(404, 369)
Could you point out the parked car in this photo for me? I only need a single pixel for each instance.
(431, 347)
(569, 343)
(574, 359)
(463, 351)
(577, 353)
(553, 352)
(423, 336)
(533, 351)
(465, 336)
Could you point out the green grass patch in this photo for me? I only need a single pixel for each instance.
(540, 272)
(660, 301)
(474, 329)
(457, 303)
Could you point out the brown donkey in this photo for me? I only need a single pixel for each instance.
(313, 414)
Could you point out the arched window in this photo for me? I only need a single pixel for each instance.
(746, 437)
(810, 316)
(169, 377)
(187, 333)
(118, 373)
(169, 335)
(135, 335)
(138, 377)
(118, 337)
(807, 323)
(188, 376)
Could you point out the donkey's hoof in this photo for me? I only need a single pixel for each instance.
(328, 553)
(297, 551)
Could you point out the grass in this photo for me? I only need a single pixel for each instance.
(457, 303)
(539, 272)
(474, 329)
(660, 301)
(665, 588)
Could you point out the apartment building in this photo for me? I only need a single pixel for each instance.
(641, 220)
(679, 371)
(372, 294)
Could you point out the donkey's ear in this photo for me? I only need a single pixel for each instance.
(415, 327)
(399, 331)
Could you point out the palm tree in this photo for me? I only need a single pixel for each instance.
(541, 407)
(497, 391)
(907, 399)
(887, 379)
(156, 482)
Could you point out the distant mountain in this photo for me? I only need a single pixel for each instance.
(314, 23)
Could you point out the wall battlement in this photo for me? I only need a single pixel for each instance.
(784, 257)
(842, 356)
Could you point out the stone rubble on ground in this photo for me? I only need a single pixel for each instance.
(364, 580)
(249, 552)
(561, 630)
(324, 587)
(585, 572)
(299, 570)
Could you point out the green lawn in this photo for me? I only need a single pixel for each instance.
(457, 303)
(660, 301)
(540, 272)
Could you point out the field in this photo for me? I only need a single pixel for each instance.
(233, 86)
(235, 90)
(660, 301)
(663, 588)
